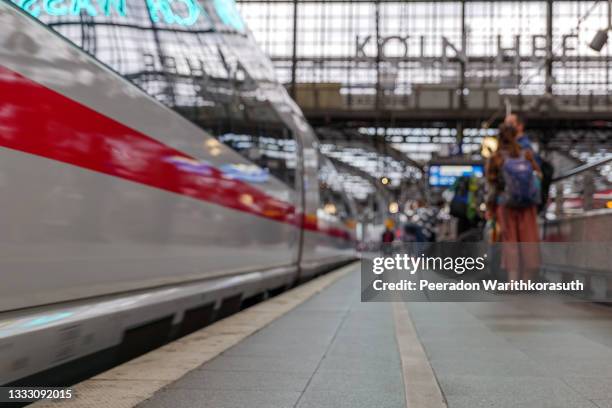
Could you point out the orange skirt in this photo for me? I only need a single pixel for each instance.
(520, 237)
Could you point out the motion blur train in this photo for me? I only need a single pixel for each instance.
(154, 176)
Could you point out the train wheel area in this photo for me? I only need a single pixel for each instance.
(319, 346)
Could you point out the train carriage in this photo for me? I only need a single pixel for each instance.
(153, 174)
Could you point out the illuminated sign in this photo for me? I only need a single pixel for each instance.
(179, 12)
(163, 9)
(228, 13)
(445, 175)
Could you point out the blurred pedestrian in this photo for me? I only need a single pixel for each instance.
(513, 174)
(387, 240)
(423, 222)
(546, 167)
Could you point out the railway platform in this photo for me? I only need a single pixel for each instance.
(320, 346)
(186, 187)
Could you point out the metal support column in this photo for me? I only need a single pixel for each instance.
(588, 185)
(378, 57)
(462, 70)
(294, 51)
(549, 47)
(559, 200)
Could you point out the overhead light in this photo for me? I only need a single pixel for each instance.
(394, 208)
(488, 146)
(385, 180)
(600, 39)
(330, 208)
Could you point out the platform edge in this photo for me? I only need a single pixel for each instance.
(132, 383)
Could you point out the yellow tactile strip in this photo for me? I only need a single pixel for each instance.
(420, 384)
(137, 380)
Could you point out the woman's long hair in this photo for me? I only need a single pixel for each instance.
(507, 140)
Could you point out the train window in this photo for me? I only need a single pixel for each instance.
(349, 205)
(169, 49)
(271, 147)
(333, 202)
(176, 53)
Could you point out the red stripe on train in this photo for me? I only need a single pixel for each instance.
(40, 121)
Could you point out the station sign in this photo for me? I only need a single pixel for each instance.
(407, 46)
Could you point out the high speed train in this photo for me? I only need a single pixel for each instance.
(154, 176)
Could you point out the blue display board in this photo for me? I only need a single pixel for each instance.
(445, 175)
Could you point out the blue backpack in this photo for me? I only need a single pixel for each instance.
(521, 184)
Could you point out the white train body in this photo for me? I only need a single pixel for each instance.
(146, 169)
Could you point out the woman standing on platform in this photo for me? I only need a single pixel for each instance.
(514, 176)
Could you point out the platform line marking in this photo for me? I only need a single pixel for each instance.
(329, 345)
(420, 384)
(131, 383)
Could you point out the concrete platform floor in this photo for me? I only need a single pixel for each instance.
(519, 353)
(334, 351)
(331, 351)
